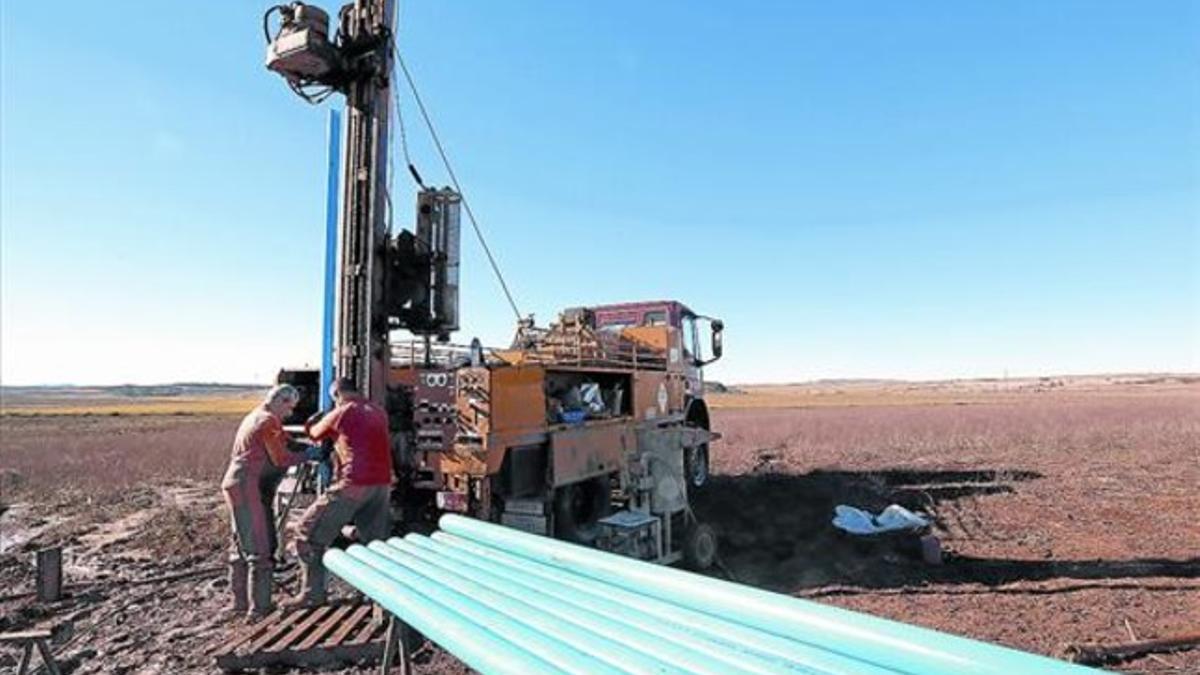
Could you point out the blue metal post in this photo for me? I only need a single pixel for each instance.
(331, 223)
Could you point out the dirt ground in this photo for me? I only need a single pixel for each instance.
(1068, 514)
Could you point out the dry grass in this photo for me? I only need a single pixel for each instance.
(99, 459)
(81, 471)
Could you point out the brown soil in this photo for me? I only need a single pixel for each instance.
(1067, 517)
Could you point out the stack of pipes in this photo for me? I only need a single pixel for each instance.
(505, 601)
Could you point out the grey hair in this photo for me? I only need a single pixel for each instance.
(282, 392)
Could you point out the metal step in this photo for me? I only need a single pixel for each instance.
(525, 507)
(531, 524)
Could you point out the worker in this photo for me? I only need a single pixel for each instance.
(360, 493)
(259, 459)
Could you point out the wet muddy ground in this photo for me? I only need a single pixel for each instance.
(1064, 518)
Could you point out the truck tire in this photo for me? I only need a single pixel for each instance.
(578, 508)
(695, 465)
(695, 458)
(700, 547)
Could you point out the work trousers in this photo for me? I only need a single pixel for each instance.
(366, 506)
(249, 499)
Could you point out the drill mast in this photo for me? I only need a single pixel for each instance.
(362, 345)
(409, 281)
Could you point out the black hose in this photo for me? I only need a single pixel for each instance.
(267, 21)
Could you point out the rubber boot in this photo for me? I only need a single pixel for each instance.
(312, 585)
(260, 591)
(237, 585)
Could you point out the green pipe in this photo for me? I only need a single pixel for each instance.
(598, 644)
(720, 640)
(881, 642)
(685, 653)
(536, 642)
(476, 646)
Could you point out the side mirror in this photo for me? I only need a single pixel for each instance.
(717, 327)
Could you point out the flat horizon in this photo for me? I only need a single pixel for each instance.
(818, 380)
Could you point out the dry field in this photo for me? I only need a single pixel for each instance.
(180, 400)
(1067, 507)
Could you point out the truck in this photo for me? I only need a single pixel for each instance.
(593, 429)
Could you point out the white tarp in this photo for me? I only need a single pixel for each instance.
(894, 518)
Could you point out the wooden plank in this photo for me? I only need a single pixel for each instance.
(1095, 654)
(371, 628)
(395, 647)
(326, 635)
(26, 657)
(277, 630)
(48, 657)
(319, 656)
(389, 646)
(249, 634)
(319, 634)
(338, 637)
(25, 636)
(300, 629)
(369, 652)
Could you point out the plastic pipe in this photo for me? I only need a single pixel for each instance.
(331, 222)
(475, 646)
(600, 644)
(879, 641)
(724, 641)
(539, 644)
(686, 652)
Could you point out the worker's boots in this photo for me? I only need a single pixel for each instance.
(312, 586)
(238, 574)
(260, 591)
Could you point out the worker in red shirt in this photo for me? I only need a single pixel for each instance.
(361, 487)
(257, 463)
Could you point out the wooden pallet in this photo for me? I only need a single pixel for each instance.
(307, 637)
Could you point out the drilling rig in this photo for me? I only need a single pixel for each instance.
(593, 429)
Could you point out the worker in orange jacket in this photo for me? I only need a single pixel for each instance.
(257, 463)
(361, 489)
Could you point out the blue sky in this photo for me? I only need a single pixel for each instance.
(858, 189)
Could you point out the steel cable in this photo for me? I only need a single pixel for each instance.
(454, 179)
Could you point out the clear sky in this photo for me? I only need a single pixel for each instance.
(859, 189)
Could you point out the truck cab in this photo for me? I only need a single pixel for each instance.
(686, 346)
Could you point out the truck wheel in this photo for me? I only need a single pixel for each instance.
(578, 508)
(695, 465)
(700, 547)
